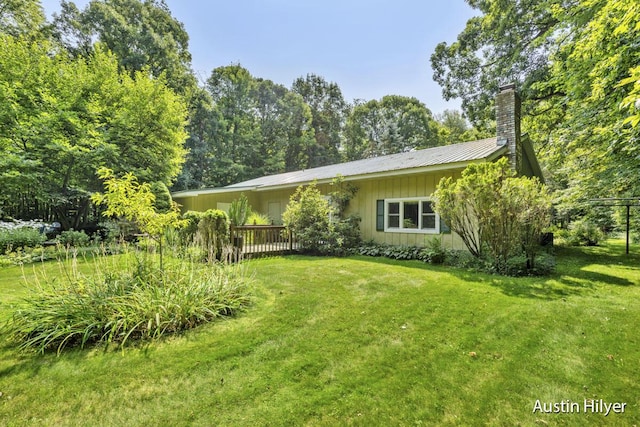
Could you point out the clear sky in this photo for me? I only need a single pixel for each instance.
(370, 48)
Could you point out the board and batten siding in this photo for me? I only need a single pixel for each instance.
(364, 204)
(409, 186)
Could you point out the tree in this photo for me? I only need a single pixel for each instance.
(142, 34)
(454, 128)
(261, 128)
(574, 64)
(494, 211)
(392, 125)
(231, 89)
(61, 119)
(129, 199)
(21, 17)
(328, 111)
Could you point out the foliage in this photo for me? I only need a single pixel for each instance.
(518, 266)
(163, 201)
(72, 238)
(62, 118)
(347, 235)
(341, 194)
(308, 216)
(434, 252)
(142, 34)
(584, 232)
(256, 218)
(489, 208)
(21, 17)
(24, 237)
(117, 303)
(239, 210)
(328, 114)
(392, 125)
(213, 233)
(390, 251)
(575, 64)
(126, 198)
(208, 231)
(247, 127)
(453, 128)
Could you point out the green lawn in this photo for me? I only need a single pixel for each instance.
(362, 341)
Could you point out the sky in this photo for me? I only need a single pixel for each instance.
(370, 48)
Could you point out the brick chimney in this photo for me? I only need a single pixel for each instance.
(508, 124)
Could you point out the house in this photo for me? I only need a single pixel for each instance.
(394, 191)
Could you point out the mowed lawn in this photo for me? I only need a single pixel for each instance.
(361, 341)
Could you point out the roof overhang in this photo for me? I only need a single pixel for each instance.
(205, 191)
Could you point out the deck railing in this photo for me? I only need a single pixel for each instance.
(262, 239)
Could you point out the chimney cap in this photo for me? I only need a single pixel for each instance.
(507, 86)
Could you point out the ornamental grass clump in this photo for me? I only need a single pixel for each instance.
(127, 297)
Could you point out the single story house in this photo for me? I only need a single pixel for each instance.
(394, 191)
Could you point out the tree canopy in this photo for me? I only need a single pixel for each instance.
(392, 125)
(62, 118)
(575, 64)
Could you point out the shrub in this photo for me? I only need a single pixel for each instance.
(23, 237)
(584, 233)
(347, 235)
(256, 218)
(307, 216)
(119, 302)
(434, 253)
(492, 210)
(213, 232)
(73, 238)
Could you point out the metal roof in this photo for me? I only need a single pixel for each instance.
(443, 155)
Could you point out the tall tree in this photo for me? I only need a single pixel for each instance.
(21, 17)
(141, 33)
(329, 111)
(574, 63)
(391, 125)
(61, 119)
(231, 90)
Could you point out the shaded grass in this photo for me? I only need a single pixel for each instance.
(363, 341)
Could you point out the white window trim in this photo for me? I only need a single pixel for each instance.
(418, 230)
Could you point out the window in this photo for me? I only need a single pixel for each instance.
(410, 216)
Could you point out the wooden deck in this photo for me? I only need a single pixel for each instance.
(260, 240)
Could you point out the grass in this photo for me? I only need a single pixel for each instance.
(361, 341)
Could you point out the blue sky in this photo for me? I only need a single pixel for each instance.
(370, 48)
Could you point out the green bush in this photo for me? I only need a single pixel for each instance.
(348, 236)
(256, 218)
(137, 300)
(213, 232)
(73, 238)
(434, 253)
(584, 233)
(24, 237)
(207, 230)
(307, 216)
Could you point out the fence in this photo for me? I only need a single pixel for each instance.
(262, 239)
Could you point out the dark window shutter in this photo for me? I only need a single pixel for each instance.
(444, 228)
(379, 215)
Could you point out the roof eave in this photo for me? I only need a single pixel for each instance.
(217, 190)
